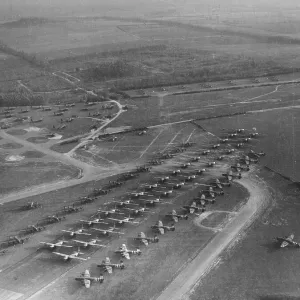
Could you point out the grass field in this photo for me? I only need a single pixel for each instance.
(65, 38)
(19, 175)
(130, 147)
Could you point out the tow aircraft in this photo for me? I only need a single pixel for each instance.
(215, 146)
(256, 154)
(161, 228)
(55, 219)
(287, 241)
(145, 240)
(164, 193)
(92, 242)
(247, 160)
(108, 266)
(55, 245)
(195, 159)
(220, 184)
(211, 164)
(203, 198)
(176, 186)
(31, 205)
(201, 171)
(206, 152)
(176, 172)
(32, 229)
(229, 151)
(211, 192)
(239, 168)
(125, 252)
(74, 255)
(230, 176)
(185, 166)
(192, 208)
(163, 179)
(175, 217)
(201, 201)
(71, 209)
(224, 141)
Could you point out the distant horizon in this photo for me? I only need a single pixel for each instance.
(14, 9)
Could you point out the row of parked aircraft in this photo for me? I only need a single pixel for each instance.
(207, 195)
(152, 194)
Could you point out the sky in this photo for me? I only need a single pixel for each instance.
(23, 8)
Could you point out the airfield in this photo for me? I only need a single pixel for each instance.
(103, 140)
(176, 251)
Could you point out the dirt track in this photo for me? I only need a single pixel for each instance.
(181, 287)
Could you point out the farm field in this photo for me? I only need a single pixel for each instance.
(65, 38)
(21, 167)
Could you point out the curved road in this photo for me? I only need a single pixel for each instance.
(96, 132)
(181, 287)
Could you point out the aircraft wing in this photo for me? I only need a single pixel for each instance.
(87, 283)
(290, 237)
(48, 244)
(117, 220)
(142, 235)
(145, 241)
(62, 245)
(284, 244)
(81, 242)
(161, 230)
(108, 269)
(125, 254)
(84, 233)
(61, 254)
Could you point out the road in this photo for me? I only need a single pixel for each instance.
(181, 287)
(94, 134)
(57, 185)
(86, 168)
